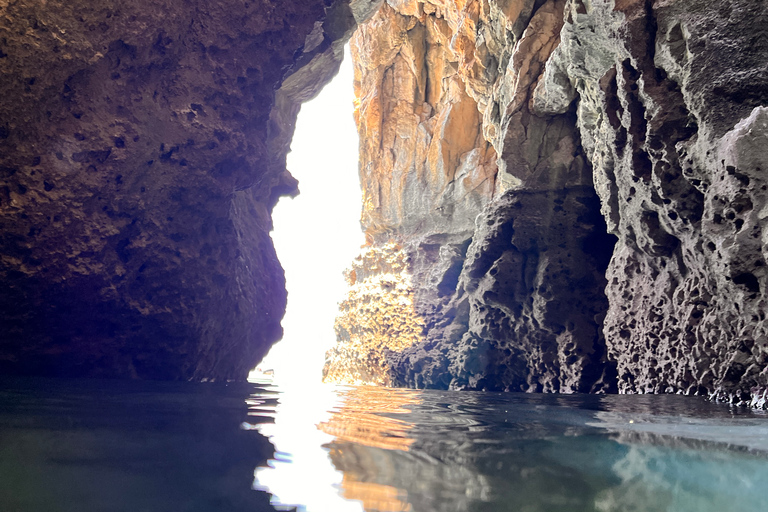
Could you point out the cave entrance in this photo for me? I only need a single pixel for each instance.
(317, 234)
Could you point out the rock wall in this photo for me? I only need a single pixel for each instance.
(670, 114)
(506, 146)
(142, 148)
(489, 193)
(378, 316)
(657, 109)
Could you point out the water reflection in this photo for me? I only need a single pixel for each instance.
(301, 474)
(368, 417)
(408, 450)
(118, 446)
(95, 446)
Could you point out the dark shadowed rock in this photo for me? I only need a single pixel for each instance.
(142, 148)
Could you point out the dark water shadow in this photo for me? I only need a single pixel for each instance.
(104, 445)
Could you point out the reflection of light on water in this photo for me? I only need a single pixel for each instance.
(486, 451)
(309, 423)
(375, 496)
(360, 420)
(324, 160)
(301, 473)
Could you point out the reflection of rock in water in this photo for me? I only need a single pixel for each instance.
(381, 468)
(423, 451)
(120, 446)
(430, 458)
(374, 496)
(423, 483)
(362, 419)
(685, 475)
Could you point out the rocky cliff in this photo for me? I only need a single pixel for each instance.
(559, 195)
(142, 148)
(579, 188)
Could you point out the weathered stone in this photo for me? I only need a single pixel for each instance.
(667, 102)
(526, 313)
(659, 96)
(142, 148)
(445, 126)
(377, 316)
(424, 165)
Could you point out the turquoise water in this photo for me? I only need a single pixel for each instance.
(106, 445)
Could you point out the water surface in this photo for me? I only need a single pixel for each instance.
(109, 445)
(398, 450)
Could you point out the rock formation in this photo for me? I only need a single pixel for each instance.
(653, 113)
(378, 316)
(678, 171)
(491, 198)
(559, 195)
(142, 148)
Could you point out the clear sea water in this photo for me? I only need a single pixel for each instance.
(99, 446)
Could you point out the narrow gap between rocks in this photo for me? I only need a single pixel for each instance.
(317, 234)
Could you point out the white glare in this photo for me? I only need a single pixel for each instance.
(317, 234)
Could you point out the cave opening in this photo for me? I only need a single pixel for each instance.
(317, 233)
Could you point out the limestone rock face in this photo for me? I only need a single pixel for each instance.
(510, 295)
(378, 316)
(525, 315)
(425, 167)
(672, 99)
(142, 148)
(659, 110)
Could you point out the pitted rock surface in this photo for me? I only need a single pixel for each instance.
(671, 114)
(660, 107)
(450, 137)
(142, 148)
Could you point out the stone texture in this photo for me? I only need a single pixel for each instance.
(377, 316)
(424, 165)
(503, 307)
(142, 148)
(670, 115)
(526, 312)
(660, 108)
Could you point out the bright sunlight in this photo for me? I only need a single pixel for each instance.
(317, 234)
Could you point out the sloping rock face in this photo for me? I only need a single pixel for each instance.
(657, 108)
(142, 148)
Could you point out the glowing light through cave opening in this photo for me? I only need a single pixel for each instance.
(317, 234)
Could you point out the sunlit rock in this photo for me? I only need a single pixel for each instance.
(657, 109)
(456, 150)
(377, 317)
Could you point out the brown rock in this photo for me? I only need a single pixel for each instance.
(661, 109)
(377, 317)
(142, 148)
(440, 85)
